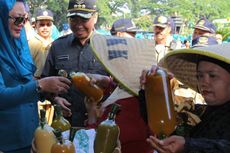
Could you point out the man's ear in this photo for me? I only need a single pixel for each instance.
(169, 29)
(95, 17)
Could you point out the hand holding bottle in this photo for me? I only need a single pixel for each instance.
(55, 84)
(152, 71)
(170, 144)
(83, 83)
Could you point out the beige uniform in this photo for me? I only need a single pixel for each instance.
(39, 48)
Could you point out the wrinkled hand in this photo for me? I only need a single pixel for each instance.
(65, 106)
(172, 144)
(55, 84)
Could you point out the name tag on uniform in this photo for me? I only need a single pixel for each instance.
(63, 57)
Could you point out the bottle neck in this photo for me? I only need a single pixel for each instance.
(115, 109)
(58, 115)
(111, 116)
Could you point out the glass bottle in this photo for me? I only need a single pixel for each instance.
(159, 103)
(59, 121)
(107, 133)
(43, 136)
(82, 82)
(62, 145)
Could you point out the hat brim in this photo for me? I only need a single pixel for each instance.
(133, 30)
(203, 28)
(44, 18)
(183, 62)
(85, 15)
(124, 58)
(160, 25)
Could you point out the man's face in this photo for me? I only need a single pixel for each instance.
(198, 33)
(161, 33)
(44, 28)
(82, 27)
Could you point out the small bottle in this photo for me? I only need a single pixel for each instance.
(82, 82)
(59, 121)
(62, 145)
(43, 136)
(159, 103)
(107, 133)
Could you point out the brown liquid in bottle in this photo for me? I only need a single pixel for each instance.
(82, 82)
(160, 107)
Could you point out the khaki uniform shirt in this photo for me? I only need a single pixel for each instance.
(39, 48)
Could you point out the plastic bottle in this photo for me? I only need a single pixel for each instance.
(159, 103)
(107, 133)
(43, 136)
(82, 82)
(59, 121)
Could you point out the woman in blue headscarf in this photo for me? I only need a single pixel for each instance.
(19, 92)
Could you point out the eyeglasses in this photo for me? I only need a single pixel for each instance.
(19, 20)
(45, 24)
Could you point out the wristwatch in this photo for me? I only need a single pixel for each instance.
(38, 87)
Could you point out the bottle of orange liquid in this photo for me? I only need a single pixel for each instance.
(62, 145)
(59, 121)
(43, 136)
(159, 103)
(82, 82)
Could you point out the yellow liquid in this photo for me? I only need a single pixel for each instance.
(160, 107)
(82, 83)
(44, 139)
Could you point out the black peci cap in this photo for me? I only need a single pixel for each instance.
(123, 25)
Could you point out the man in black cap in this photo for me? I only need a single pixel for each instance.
(124, 28)
(72, 52)
(204, 27)
(162, 27)
(40, 43)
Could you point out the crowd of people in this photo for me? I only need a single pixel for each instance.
(31, 60)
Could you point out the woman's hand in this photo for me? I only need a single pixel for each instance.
(55, 84)
(152, 71)
(172, 144)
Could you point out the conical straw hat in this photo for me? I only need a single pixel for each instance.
(124, 58)
(183, 62)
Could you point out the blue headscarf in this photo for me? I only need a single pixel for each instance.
(14, 52)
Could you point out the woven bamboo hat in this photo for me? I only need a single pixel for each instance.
(183, 62)
(124, 58)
